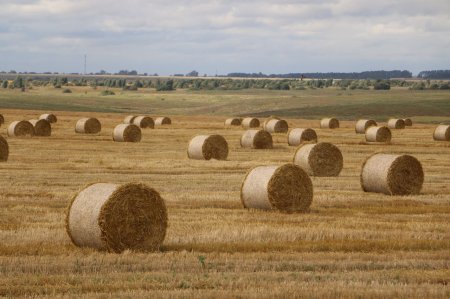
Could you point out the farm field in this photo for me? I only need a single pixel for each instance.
(350, 244)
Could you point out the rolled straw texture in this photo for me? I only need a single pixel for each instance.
(362, 125)
(117, 217)
(298, 136)
(127, 133)
(286, 188)
(88, 126)
(392, 174)
(257, 139)
(321, 159)
(206, 147)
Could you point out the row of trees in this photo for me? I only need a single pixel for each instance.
(333, 75)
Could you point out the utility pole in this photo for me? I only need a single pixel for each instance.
(85, 59)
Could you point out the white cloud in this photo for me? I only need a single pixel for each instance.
(270, 36)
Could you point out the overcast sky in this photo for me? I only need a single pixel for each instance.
(266, 36)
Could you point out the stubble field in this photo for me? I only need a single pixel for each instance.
(351, 243)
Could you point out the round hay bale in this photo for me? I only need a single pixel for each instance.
(129, 119)
(298, 136)
(442, 133)
(51, 118)
(42, 127)
(127, 133)
(276, 126)
(163, 121)
(88, 126)
(21, 128)
(286, 188)
(329, 123)
(392, 174)
(4, 149)
(117, 217)
(378, 134)
(258, 139)
(250, 122)
(206, 147)
(362, 125)
(2, 120)
(408, 122)
(321, 159)
(144, 122)
(395, 123)
(233, 122)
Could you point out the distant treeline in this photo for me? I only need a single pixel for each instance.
(437, 74)
(362, 75)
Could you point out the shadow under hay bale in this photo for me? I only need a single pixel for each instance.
(321, 159)
(144, 122)
(127, 133)
(250, 122)
(42, 127)
(88, 126)
(298, 136)
(160, 121)
(4, 149)
(363, 124)
(117, 217)
(286, 188)
(329, 123)
(206, 147)
(233, 122)
(395, 123)
(51, 118)
(442, 133)
(378, 134)
(392, 174)
(257, 139)
(129, 119)
(21, 128)
(408, 122)
(275, 125)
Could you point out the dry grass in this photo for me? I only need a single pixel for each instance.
(351, 243)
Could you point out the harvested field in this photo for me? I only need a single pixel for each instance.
(349, 244)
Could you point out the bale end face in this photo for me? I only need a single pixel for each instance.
(322, 159)
(42, 127)
(286, 188)
(116, 218)
(408, 122)
(207, 147)
(233, 122)
(392, 174)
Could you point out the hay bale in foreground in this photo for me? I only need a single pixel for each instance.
(329, 123)
(233, 122)
(275, 125)
(257, 139)
(129, 119)
(378, 134)
(286, 188)
(408, 122)
(42, 127)
(51, 118)
(298, 136)
(206, 147)
(396, 123)
(362, 125)
(2, 120)
(144, 122)
(250, 122)
(160, 121)
(4, 149)
(116, 218)
(392, 174)
(88, 126)
(21, 128)
(442, 133)
(321, 159)
(127, 133)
